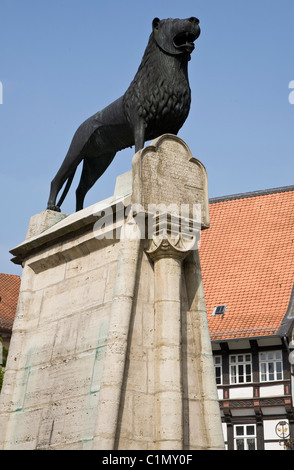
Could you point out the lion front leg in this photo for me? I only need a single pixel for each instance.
(139, 134)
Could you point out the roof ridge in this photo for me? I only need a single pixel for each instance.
(10, 275)
(261, 192)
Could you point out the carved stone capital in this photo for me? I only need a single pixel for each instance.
(169, 247)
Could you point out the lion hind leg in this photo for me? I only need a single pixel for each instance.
(93, 168)
(65, 172)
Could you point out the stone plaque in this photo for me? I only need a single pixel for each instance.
(166, 173)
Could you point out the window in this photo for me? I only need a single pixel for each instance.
(218, 369)
(219, 310)
(270, 366)
(245, 437)
(240, 368)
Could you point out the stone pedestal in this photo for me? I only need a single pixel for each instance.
(110, 346)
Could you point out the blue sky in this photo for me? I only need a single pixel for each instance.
(63, 60)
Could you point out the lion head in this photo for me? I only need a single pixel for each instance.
(176, 36)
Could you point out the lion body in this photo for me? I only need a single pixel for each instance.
(156, 102)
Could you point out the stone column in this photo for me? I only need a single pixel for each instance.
(167, 255)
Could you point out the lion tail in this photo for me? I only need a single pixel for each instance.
(66, 189)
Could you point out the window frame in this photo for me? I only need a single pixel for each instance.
(267, 361)
(246, 437)
(220, 367)
(239, 364)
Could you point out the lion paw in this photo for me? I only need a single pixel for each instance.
(53, 208)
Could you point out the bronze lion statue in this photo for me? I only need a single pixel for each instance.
(156, 102)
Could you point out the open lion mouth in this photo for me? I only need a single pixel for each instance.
(185, 41)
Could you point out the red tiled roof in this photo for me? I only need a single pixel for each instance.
(247, 261)
(9, 291)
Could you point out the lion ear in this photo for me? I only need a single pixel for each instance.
(155, 23)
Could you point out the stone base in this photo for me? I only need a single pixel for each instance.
(41, 222)
(110, 346)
